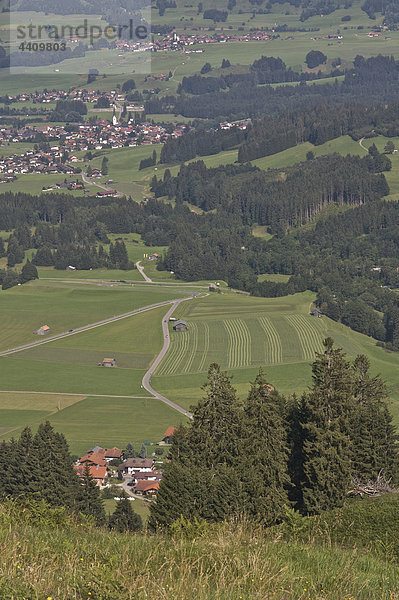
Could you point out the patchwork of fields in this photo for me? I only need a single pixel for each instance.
(240, 332)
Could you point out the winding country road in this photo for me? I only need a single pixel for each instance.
(140, 268)
(166, 343)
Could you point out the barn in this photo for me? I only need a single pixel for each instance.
(180, 325)
(42, 330)
(108, 362)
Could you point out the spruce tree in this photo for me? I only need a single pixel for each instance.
(88, 500)
(203, 476)
(27, 466)
(325, 466)
(215, 431)
(7, 461)
(372, 433)
(59, 484)
(265, 477)
(28, 272)
(129, 451)
(124, 518)
(178, 492)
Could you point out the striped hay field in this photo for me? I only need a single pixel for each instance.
(234, 336)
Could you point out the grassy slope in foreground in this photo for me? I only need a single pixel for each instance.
(243, 333)
(228, 562)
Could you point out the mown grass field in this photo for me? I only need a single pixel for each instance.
(111, 422)
(243, 333)
(63, 306)
(71, 364)
(20, 410)
(88, 421)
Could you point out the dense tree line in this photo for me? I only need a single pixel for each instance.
(68, 110)
(200, 143)
(351, 260)
(318, 125)
(388, 8)
(41, 466)
(263, 198)
(270, 135)
(371, 81)
(10, 278)
(148, 162)
(254, 458)
(215, 14)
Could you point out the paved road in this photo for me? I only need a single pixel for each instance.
(141, 269)
(87, 327)
(166, 342)
(179, 284)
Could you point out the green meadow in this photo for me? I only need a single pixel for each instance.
(63, 306)
(111, 422)
(88, 421)
(244, 333)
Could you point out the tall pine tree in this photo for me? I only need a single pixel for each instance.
(325, 466)
(88, 500)
(265, 477)
(372, 433)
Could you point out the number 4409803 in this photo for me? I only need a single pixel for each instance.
(42, 46)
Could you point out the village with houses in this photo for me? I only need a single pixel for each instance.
(136, 475)
(62, 142)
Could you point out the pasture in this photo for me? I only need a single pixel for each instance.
(343, 145)
(65, 306)
(123, 167)
(88, 421)
(392, 176)
(111, 422)
(20, 410)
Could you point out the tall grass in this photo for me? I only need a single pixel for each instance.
(46, 554)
